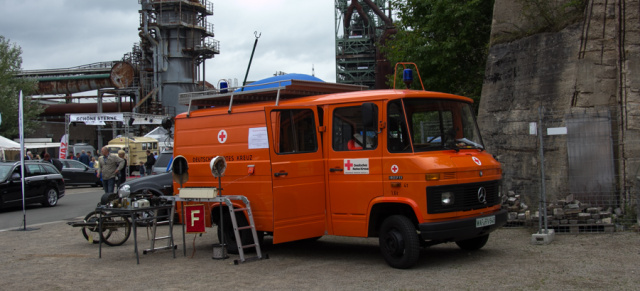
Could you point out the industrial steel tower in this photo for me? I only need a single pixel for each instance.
(361, 29)
(176, 39)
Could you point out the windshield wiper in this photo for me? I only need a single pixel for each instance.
(471, 143)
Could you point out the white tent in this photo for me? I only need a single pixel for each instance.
(11, 147)
(161, 134)
(8, 144)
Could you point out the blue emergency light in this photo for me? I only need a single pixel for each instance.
(407, 77)
(223, 87)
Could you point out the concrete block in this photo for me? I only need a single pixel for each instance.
(542, 238)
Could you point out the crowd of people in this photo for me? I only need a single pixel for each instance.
(110, 169)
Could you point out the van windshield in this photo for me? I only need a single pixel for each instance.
(114, 150)
(427, 124)
(163, 159)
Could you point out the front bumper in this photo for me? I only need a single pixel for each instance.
(460, 229)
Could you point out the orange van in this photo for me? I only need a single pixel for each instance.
(406, 166)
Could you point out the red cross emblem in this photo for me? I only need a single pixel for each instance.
(477, 161)
(394, 169)
(222, 136)
(348, 165)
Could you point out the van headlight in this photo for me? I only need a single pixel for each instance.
(447, 198)
(124, 191)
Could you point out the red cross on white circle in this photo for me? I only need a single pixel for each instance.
(477, 161)
(222, 136)
(394, 169)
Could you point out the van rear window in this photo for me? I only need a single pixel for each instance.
(294, 131)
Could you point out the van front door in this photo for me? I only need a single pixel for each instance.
(355, 166)
(298, 173)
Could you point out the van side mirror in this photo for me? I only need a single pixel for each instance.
(369, 115)
(167, 123)
(180, 170)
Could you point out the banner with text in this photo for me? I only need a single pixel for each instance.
(96, 119)
(64, 146)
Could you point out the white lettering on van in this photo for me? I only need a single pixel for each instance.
(356, 166)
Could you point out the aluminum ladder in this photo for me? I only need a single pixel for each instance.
(236, 230)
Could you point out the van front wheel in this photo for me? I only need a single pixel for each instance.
(399, 242)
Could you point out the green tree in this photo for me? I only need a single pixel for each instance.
(447, 39)
(10, 86)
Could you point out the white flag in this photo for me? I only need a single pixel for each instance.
(64, 147)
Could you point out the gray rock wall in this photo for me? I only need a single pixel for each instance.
(590, 66)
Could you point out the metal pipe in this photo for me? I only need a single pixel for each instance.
(255, 43)
(543, 195)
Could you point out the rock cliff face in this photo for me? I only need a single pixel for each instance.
(588, 71)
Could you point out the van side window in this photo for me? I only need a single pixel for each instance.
(397, 134)
(294, 131)
(348, 130)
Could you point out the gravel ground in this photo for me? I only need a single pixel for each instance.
(56, 257)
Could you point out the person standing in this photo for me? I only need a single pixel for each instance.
(141, 169)
(150, 161)
(84, 158)
(56, 163)
(109, 167)
(123, 173)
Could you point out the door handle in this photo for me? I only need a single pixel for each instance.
(281, 174)
(336, 170)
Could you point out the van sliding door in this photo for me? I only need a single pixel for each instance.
(297, 171)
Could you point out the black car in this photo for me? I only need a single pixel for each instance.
(158, 185)
(43, 184)
(76, 173)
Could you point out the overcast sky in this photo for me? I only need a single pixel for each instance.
(296, 35)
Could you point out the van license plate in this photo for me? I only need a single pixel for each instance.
(485, 221)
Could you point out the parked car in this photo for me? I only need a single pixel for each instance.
(76, 173)
(162, 162)
(43, 184)
(79, 147)
(158, 185)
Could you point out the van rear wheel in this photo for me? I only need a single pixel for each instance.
(399, 242)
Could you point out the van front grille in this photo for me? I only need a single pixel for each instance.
(466, 197)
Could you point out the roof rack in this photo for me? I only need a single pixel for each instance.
(278, 90)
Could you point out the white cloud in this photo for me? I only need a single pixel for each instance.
(296, 35)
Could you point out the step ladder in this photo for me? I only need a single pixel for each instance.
(154, 237)
(236, 230)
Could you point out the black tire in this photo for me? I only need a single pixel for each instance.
(230, 238)
(90, 233)
(50, 197)
(399, 242)
(473, 244)
(119, 230)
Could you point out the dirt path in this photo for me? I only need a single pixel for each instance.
(55, 257)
